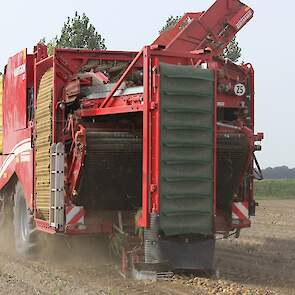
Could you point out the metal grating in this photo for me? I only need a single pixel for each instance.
(187, 150)
(43, 144)
(57, 163)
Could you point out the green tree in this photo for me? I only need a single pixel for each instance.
(77, 32)
(170, 22)
(232, 50)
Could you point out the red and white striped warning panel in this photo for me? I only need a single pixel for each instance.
(75, 215)
(240, 210)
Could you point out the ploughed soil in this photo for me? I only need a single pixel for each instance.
(261, 261)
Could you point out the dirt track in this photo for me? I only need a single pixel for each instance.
(261, 261)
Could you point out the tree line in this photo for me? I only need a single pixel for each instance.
(280, 172)
(78, 32)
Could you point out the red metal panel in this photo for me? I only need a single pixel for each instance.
(19, 160)
(44, 226)
(250, 70)
(110, 110)
(215, 28)
(165, 37)
(24, 167)
(17, 150)
(252, 111)
(155, 136)
(15, 88)
(146, 148)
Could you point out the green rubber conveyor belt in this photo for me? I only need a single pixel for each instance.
(186, 150)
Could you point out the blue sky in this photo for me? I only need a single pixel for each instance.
(128, 25)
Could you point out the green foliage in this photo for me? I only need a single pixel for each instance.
(274, 189)
(170, 22)
(77, 32)
(50, 44)
(232, 51)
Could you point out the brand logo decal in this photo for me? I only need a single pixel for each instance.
(244, 19)
(19, 70)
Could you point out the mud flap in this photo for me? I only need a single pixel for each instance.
(188, 255)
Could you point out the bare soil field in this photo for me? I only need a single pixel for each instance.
(261, 261)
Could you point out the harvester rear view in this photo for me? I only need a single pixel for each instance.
(152, 149)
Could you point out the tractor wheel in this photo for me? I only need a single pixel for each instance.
(25, 233)
(6, 208)
(6, 224)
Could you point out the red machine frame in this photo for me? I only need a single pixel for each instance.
(175, 47)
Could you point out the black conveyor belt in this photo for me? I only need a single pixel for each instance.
(111, 176)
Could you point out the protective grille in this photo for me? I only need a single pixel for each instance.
(43, 144)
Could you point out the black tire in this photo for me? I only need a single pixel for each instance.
(25, 233)
(6, 207)
(3, 215)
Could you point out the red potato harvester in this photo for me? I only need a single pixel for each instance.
(152, 149)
